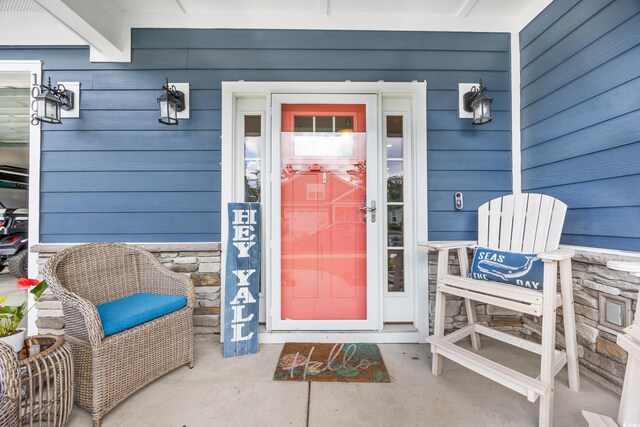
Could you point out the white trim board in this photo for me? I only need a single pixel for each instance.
(398, 334)
(34, 68)
(516, 153)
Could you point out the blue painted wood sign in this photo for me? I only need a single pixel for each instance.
(241, 280)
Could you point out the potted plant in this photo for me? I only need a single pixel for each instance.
(12, 315)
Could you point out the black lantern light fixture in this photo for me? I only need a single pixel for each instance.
(48, 101)
(477, 102)
(171, 102)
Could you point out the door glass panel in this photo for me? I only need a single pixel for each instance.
(395, 181)
(395, 263)
(323, 187)
(252, 158)
(324, 123)
(395, 203)
(394, 226)
(304, 123)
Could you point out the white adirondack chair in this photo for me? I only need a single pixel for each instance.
(524, 223)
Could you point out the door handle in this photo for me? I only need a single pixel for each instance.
(371, 209)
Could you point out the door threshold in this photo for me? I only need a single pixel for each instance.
(399, 334)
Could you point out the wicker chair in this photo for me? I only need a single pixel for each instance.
(110, 369)
(9, 387)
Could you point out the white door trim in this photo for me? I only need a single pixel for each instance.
(34, 68)
(417, 92)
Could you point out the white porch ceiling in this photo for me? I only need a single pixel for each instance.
(362, 7)
(105, 24)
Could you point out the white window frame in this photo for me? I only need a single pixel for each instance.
(34, 68)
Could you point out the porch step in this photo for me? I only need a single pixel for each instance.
(508, 377)
(390, 333)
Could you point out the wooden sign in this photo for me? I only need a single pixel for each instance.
(242, 279)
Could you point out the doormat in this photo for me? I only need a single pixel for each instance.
(360, 363)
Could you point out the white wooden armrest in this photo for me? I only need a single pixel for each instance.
(557, 255)
(630, 267)
(446, 244)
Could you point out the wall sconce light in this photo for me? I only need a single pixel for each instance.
(174, 103)
(475, 103)
(49, 101)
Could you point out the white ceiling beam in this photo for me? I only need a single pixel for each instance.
(323, 7)
(181, 6)
(529, 14)
(466, 8)
(99, 23)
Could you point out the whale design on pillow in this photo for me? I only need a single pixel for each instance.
(525, 270)
(507, 272)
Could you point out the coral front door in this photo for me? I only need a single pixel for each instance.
(327, 214)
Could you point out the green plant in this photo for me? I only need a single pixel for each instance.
(12, 315)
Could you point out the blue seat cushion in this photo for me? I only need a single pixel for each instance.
(126, 313)
(525, 270)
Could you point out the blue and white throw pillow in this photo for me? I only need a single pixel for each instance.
(525, 270)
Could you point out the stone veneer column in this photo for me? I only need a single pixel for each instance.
(200, 262)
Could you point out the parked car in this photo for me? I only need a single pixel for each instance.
(14, 225)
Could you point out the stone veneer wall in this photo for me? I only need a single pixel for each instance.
(600, 357)
(200, 262)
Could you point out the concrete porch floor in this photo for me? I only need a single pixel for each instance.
(240, 392)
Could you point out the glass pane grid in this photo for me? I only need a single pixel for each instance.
(252, 158)
(395, 205)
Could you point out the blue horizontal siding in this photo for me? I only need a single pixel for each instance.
(84, 202)
(99, 120)
(560, 29)
(333, 40)
(304, 59)
(131, 237)
(469, 160)
(598, 137)
(546, 18)
(606, 106)
(619, 161)
(470, 180)
(449, 120)
(115, 161)
(448, 100)
(601, 193)
(211, 79)
(617, 71)
(130, 222)
(202, 99)
(117, 182)
(443, 201)
(580, 71)
(112, 140)
(612, 44)
(117, 174)
(589, 221)
(608, 242)
(461, 140)
(580, 36)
